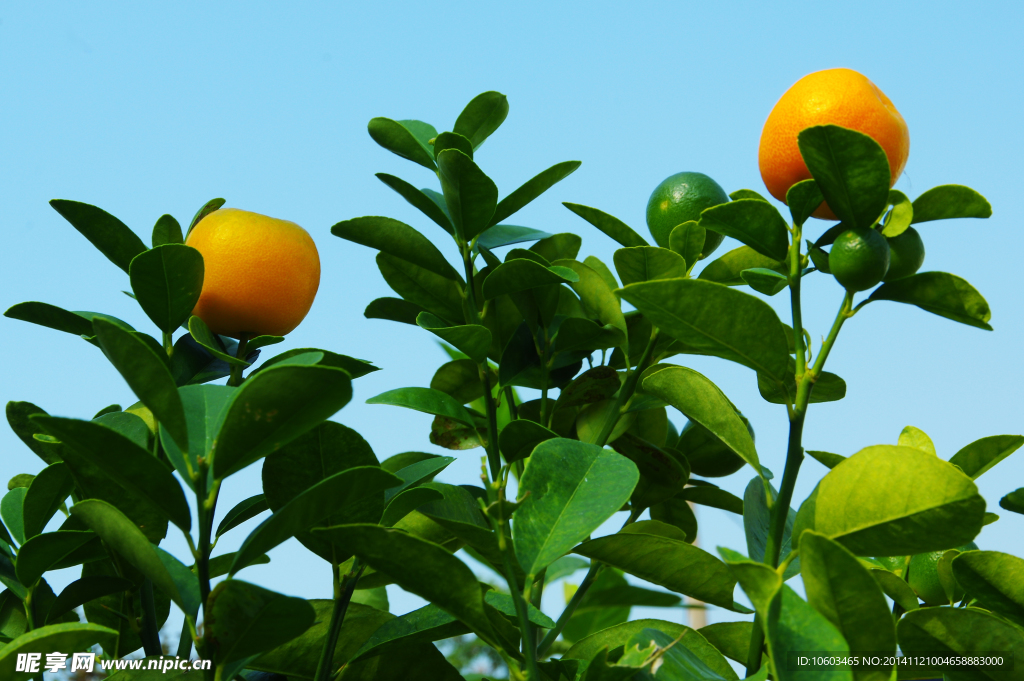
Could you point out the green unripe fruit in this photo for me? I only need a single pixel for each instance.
(859, 258)
(708, 456)
(681, 198)
(906, 255)
(924, 577)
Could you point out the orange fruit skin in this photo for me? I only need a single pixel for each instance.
(832, 97)
(261, 273)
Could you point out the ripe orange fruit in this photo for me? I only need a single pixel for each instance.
(261, 273)
(832, 97)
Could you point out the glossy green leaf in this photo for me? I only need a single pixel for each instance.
(762, 280)
(950, 201)
(597, 297)
(827, 388)
(425, 400)
(756, 523)
(69, 638)
(452, 140)
(995, 579)
(50, 316)
(429, 623)
(43, 551)
(711, 319)
(207, 208)
(796, 627)
(532, 189)
(418, 473)
(827, 459)
(108, 234)
(46, 493)
(204, 407)
(728, 269)
(647, 263)
(472, 339)
(867, 504)
(167, 281)
(273, 408)
(471, 196)
(421, 287)
(12, 512)
(356, 368)
(901, 216)
(575, 333)
(702, 402)
(404, 503)
(125, 463)
(946, 295)
(333, 496)
(752, 222)
(422, 568)
(185, 580)
(167, 231)
(518, 439)
(896, 588)
(481, 117)
(843, 590)
(713, 497)
(522, 275)
(732, 639)
(981, 455)
(399, 139)
(962, 631)
(506, 235)
(242, 511)
(570, 489)
(418, 199)
(19, 418)
(146, 374)
(670, 563)
(688, 240)
(460, 379)
(83, 590)
(1014, 501)
(803, 198)
(397, 239)
(122, 536)
(393, 309)
(619, 231)
(245, 620)
(851, 170)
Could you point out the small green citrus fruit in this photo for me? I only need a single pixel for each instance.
(859, 258)
(906, 255)
(924, 577)
(681, 198)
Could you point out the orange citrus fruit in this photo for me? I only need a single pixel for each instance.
(261, 273)
(832, 97)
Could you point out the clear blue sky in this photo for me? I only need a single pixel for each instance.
(145, 109)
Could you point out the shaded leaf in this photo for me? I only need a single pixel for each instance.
(394, 309)
(46, 493)
(397, 239)
(70, 637)
(167, 281)
(242, 511)
(532, 189)
(245, 620)
(421, 287)
(981, 455)
(946, 295)
(481, 117)
(418, 199)
(108, 234)
(619, 231)
(399, 140)
(752, 222)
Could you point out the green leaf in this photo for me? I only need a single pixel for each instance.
(843, 590)
(425, 400)
(575, 334)
(46, 493)
(122, 535)
(827, 459)
(397, 239)
(732, 639)
(728, 269)
(593, 385)
(421, 287)
(533, 188)
(916, 438)
(827, 388)
(44, 551)
(167, 231)
(662, 475)
(950, 201)
(618, 230)
(471, 196)
(756, 523)
(687, 240)
(981, 455)
(746, 194)
(481, 117)
(472, 339)
(570, 489)
(167, 281)
(207, 208)
(522, 275)
(108, 234)
(417, 473)
(393, 309)
(901, 216)
(204, 407)
(762, 280)
(753, 222)
(70, 637)
(242, 511)
(795, 627)
(506, 235)
(19, 416)
(944, 632)
(851, 169)
(422, 568)
(427, 624)
(12, 511)
(946, 295)
(419, 200)
(81, 591)
(125, 463)
(50, 316)
(869, 505)
(702, 402)
(596, 295)
(245, 620)
(713, 497)
(518, 439)
(460, 379)
(803, 198)
(406, 502)
(1014, 501)
(670, 563)
(337, 494)
(995, 579)
(647, 263)
(273, 408)
(711, 319)
(185, 580)
(895, 588)
(452, 140)
(356, 368)
(146, 374)
(399, 139)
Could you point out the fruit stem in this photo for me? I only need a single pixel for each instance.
(794, 295)
(237, 369)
